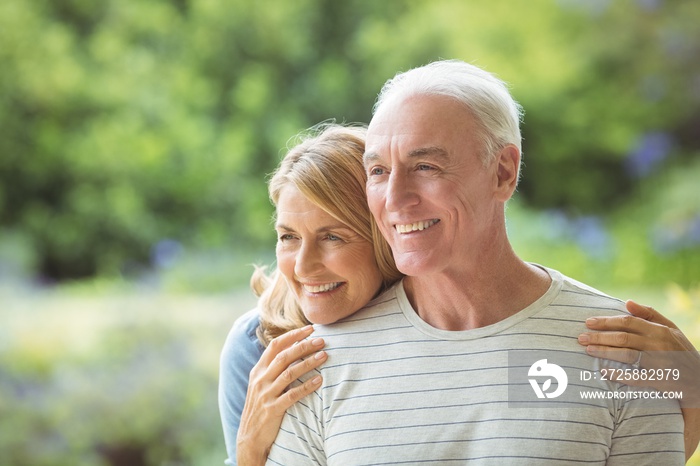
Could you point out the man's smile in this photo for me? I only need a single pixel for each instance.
(415, 226)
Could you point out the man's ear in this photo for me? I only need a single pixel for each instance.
(507, 172)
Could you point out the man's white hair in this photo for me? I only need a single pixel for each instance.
(486, 97)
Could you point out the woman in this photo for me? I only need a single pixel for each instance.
(322, 217)
(331, 261)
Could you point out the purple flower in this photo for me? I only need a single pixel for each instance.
(651, 150)
(649, 5)
(676, 237)
(591, 235)
(165, 253)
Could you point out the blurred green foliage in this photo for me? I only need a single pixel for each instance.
(137, 399)
(124, 125)
(111, 380)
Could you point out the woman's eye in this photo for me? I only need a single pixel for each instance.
(285, 237)
(333, 237)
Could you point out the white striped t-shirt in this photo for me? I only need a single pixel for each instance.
(398, 391)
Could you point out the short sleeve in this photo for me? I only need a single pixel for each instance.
(648, 432)
(241, 351)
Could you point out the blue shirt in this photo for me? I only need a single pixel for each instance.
(241, 352)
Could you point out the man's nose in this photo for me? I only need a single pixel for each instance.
(400, 192)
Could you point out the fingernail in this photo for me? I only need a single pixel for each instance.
(307, 328)
(320, 355)
(317, 341)
(316, 380)
(584, 338)
(591, 321)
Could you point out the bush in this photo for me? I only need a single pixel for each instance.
(127, 124)
(138, 395)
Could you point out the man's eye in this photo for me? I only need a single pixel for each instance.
(424, 167)
(376, 171)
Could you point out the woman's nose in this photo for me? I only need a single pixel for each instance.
(309, 260)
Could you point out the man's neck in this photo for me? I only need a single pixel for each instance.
(478, 296)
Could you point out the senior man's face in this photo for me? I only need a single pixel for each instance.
(427, 187)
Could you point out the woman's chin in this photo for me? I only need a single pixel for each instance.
(327, 316)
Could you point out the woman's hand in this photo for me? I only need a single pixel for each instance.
(268, 398)
(651, 341)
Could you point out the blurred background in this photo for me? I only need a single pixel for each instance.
(135, 140)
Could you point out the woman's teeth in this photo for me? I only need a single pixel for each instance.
(322, 288)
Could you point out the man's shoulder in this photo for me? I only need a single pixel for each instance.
(579, 292)
(577, 295)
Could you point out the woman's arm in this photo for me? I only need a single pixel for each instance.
(241, 354)
(653, 342)
(268, 395)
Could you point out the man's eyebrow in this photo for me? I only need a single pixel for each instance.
(369, 157)
(431, 152)
(434, 152)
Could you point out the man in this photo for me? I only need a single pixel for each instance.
(424, 374)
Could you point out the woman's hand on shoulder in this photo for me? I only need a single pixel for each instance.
(648, 340)
(269, 395)
(654, 344)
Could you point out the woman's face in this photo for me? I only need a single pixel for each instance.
(330, 268)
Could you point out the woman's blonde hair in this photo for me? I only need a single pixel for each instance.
(326, 167)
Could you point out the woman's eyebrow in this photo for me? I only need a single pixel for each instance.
(281, 226)
(335, 226)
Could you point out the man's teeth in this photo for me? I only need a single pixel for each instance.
(322, 288)
(415, 226)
